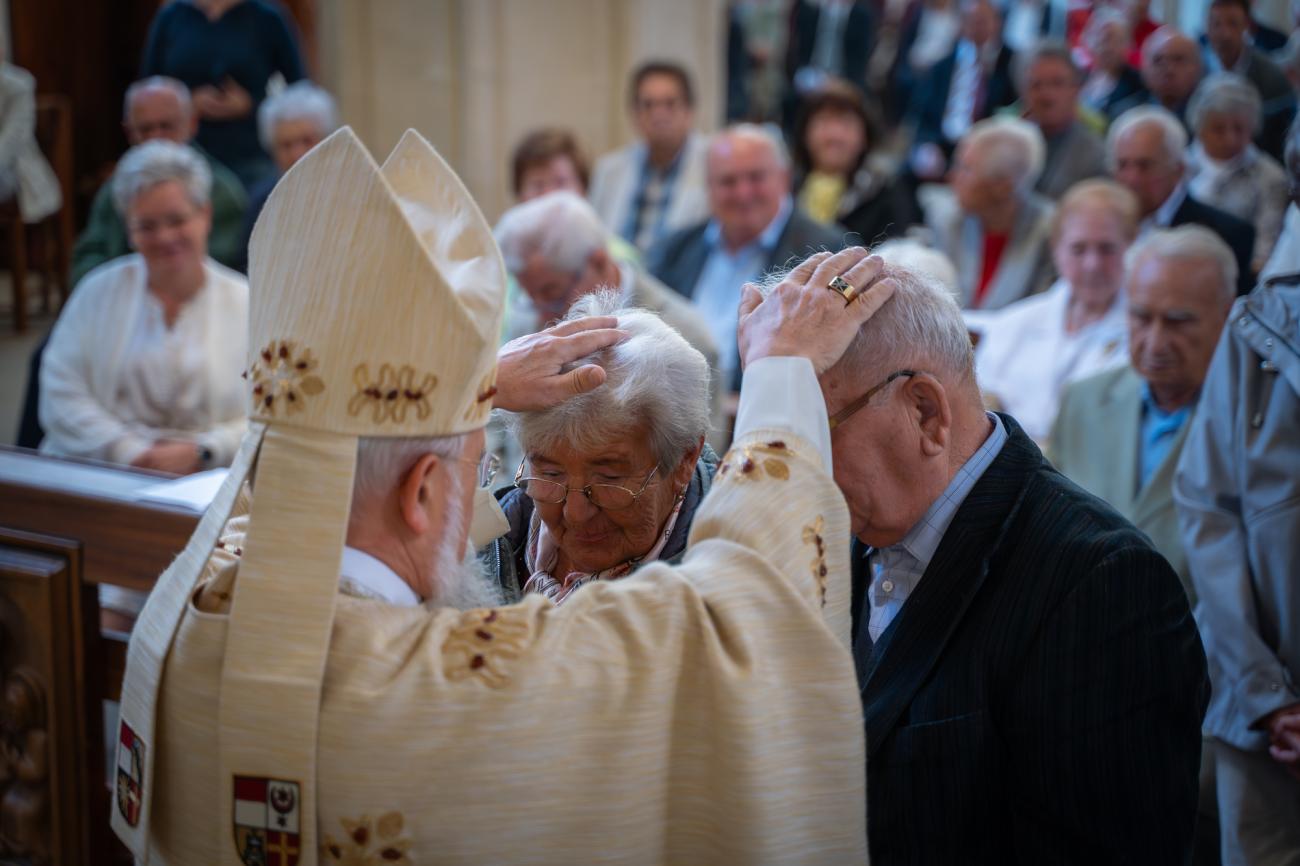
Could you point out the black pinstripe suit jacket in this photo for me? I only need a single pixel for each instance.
(1038, 699)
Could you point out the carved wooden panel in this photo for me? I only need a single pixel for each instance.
(48, 738)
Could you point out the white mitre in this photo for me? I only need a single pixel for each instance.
(376, 303)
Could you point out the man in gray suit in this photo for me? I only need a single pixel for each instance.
(1049, 83)
(1119, 433)
(754, 227)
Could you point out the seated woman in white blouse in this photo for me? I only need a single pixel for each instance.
(143, 366)
(1030, 350)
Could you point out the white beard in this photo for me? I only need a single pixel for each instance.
(462, 583)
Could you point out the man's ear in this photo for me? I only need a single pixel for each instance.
(417, 489)
(928, 404)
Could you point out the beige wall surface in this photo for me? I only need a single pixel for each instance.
(473, 76)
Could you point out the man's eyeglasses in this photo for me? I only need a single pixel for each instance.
(486, 467)
(847, 412)
(609, 497)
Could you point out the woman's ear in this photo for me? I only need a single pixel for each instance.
(682, 473)
(416, 491)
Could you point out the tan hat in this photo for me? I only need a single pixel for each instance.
(376, 303)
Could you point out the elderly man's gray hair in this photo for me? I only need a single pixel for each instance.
(153, 162)
(921, 327)
(157, 82)
(382, 463)
(1173, 136)
(301, 100)
(560, 226)
(653, 378)
(1225, 93)
(1188, 243)
(1009, 148)
(766, 133)
(1044, 49)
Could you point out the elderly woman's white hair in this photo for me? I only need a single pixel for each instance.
(153, 162)
(1225, 93)
(560, 225)
(1173, 135)
(1009, 148)
(1188, 243)
(301, 100)
(653, 377)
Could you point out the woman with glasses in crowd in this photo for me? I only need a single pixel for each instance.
(611, 479)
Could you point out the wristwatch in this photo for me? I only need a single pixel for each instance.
(205, 455)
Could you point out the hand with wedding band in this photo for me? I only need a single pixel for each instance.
(816, 310)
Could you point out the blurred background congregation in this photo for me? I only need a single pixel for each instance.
(1095, 182)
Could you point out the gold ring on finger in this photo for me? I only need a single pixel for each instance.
(842, 287)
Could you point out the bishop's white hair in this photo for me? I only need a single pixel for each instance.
(382, 462)
(560, 226)
(654, 377)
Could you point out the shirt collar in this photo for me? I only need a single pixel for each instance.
(1164, 214)
(766, 240)
(364, 575)
(1151, 408)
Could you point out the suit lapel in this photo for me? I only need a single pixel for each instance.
(690, 263)
(1019, 265)
(916, 639)
(1121, 409)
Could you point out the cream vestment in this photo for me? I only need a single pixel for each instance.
(701, 714)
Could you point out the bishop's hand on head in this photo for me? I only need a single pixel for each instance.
(531, 370)
(805, 316)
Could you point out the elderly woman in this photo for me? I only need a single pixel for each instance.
(288, 124)
(838, 179)
(143, 365)
(611, 479)
(1030, 350)
(1225, 169)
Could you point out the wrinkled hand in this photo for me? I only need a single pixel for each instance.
(1284, 734)
(530, 374)
(803, 318)
(227, 102)
(170, 455)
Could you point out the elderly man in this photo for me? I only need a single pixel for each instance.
(154, 108)
(288, 124)
(754, 227)
(1227, 32)
(558, 251)
(334, 680)
(1031, 675)
(1049, 84)
(970, 84)
(991, 223)
(1238, 498)
(1119, 433)
(1145, 151)
(1171, 69)
(655, 186)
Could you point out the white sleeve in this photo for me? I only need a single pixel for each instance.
(783, 394)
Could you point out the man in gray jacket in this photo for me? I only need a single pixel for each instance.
(1238, 498)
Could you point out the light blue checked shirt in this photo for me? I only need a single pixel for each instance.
(897, 569)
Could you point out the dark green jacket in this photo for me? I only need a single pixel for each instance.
(104, 236)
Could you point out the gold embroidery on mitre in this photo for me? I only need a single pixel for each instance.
(812, 534)
(367, 843)
(747, 462)
(283, 378)
(483, 645)
(392, 394)
(483, 395)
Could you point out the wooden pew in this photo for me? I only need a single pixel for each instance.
(66, 527)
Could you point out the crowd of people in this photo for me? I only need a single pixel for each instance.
(1060, 422)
